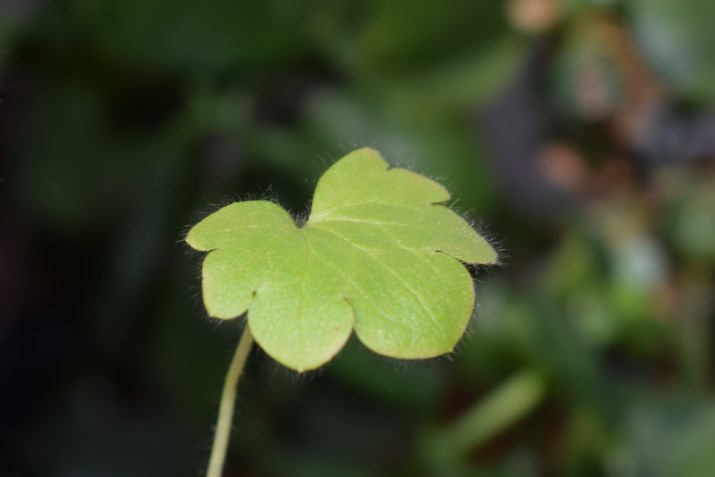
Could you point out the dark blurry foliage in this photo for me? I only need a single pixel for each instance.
(580, 133)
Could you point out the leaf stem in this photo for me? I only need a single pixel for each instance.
(228, 399)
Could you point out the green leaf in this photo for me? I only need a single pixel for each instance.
(378, 255)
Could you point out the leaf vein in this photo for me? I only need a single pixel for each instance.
(402, 281)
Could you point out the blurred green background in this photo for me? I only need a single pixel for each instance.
(578, 134)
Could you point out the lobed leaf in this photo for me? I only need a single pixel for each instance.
(378, 254)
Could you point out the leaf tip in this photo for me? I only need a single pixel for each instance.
(193, 240)
(491, 257)
(367, 151)
(366, 154)
(492, 251)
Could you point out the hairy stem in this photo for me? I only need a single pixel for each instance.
(228, 398)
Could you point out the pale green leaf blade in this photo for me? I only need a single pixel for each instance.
(363, 177)
(305, 320)
(419, 228)
(247, 240)
(408, 304)
(235, 223)
(412, 298)
(361, 188)
(378, 254)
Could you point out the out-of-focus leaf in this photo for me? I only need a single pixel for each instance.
(693, 223)
(215, 35)
(504, 406)
(667, 439)
(678, 38)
